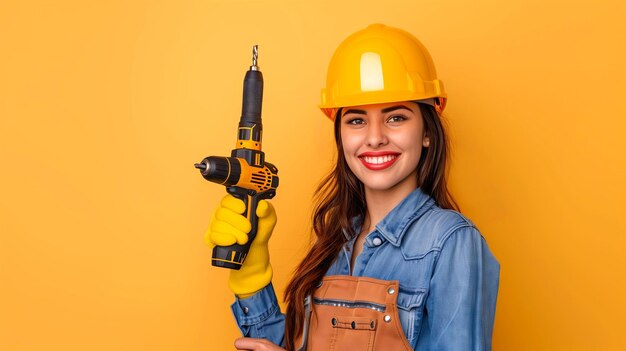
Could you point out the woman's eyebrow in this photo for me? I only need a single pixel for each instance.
(397, 107)
(385, 110)
(362, 112)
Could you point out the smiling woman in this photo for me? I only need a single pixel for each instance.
(395, 265)
(383, 143)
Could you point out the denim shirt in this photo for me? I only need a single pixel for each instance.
(448, 279)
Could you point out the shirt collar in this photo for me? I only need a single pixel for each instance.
(395, 223)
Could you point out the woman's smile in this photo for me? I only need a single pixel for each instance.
(380, 160)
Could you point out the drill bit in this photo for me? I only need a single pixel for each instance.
(255, 56)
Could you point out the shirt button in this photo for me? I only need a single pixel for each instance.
(377, 241)
(245, 310)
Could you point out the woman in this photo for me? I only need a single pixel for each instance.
(395, 265)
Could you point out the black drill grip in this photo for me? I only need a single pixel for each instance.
(233, 256)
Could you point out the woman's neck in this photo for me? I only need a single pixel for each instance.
(381, 202)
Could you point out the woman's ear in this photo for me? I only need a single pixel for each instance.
(426, 141)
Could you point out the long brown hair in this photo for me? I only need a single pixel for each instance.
(340, 197)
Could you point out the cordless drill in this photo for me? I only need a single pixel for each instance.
(245, 173)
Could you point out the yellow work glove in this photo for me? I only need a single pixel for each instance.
(229, 226)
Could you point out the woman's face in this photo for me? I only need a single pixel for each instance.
(382, 144)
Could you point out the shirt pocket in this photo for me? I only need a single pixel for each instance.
(411, 310)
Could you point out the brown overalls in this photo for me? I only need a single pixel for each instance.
(353, 313)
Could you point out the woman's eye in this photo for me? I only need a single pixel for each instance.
(396, 118)
(355, 121)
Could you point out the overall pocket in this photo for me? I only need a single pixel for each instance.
(353, 333)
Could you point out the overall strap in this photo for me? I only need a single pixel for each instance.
(307, 318)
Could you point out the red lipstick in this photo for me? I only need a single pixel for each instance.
(377, 161)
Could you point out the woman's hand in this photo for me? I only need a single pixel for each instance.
(230, 226)
(252, 344)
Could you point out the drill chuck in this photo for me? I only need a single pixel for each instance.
(220, 170)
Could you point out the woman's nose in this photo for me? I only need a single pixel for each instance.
(376, 135)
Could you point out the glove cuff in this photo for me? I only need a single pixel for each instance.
(247, 284)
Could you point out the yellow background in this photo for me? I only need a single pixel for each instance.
(105, 106)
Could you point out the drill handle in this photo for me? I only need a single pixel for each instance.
(234, 255)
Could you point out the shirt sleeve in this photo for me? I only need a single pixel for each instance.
(460, 307)
(259, 316)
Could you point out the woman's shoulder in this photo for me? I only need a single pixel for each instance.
(432, 229)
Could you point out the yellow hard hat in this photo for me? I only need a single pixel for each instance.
(380, 64)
